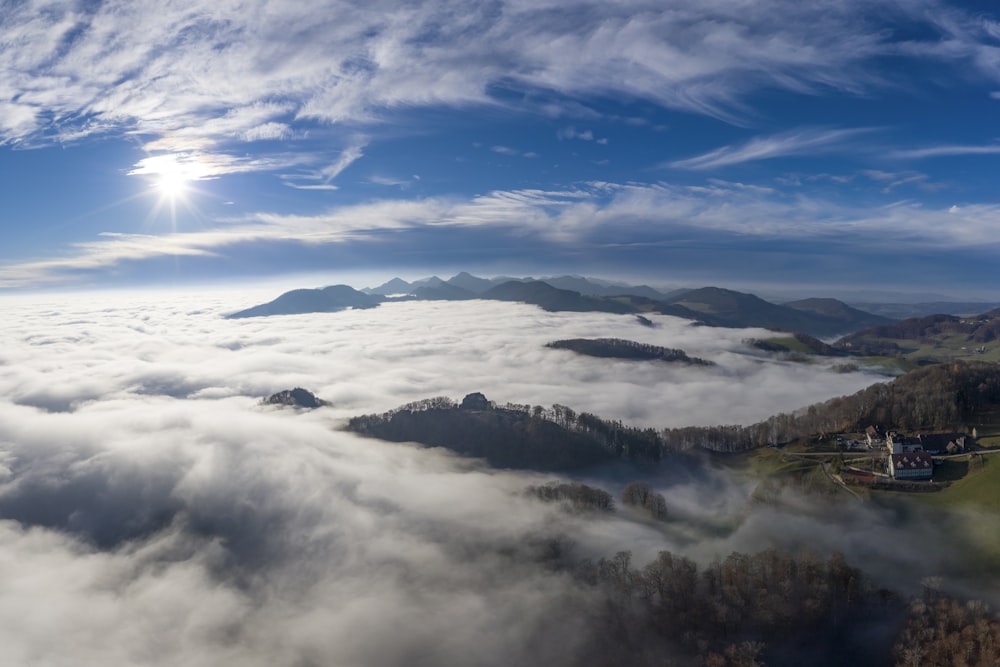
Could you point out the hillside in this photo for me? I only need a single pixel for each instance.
(617, 348)
(551, 298)
(511, 436)
(934, 398)
(325, 300)
(797, 343)
(852, 318)
(901, 311)
(443, 292)
(716, 306)
(590, 287)
(930, 339)
(712, 306)
(470, 283)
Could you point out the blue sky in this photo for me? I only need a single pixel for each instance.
(845, 148)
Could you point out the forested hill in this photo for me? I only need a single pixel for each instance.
(722, 307)
(325, 300)
(551, 298)
(933, 331)
(617, 348)
(839, 311)
(934, 398)
(512, 436)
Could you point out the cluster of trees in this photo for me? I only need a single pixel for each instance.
(745, 607)
(805, 342)
(942, 631)
(297, 397)
(940, 397)
(639, 494)
(578, 497)
(619, 348)
(513, 435)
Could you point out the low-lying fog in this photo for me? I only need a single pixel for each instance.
(152, 512)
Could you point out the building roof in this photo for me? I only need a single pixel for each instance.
(940, 440)
(913, 461)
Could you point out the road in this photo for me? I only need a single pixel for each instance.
(826, 470)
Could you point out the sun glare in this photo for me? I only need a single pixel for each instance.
(172, 185)
(173, 178)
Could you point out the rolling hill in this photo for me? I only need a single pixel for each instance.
(716, 306)
(712, 306)
(324, 300)
(551, 298)
(930, 339)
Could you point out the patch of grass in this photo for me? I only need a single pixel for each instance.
(791, 343)
(951, 470)
(888, 365)
(979, 487)
(943, 347)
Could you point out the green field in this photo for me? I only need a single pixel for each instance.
(978, 488)
(944, 347)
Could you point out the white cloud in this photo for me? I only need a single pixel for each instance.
(595, 213)
(267, 131)
(799, 142)
(348, 156)
(228, 70)
(945, 151)
(144, 494)
(321, 186)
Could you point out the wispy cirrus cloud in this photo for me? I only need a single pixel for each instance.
(945, 151)
(799, 142)
(198, 74)
(591, 215)
(320, 178)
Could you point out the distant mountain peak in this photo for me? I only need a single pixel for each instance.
(394, 286)
(325, 300)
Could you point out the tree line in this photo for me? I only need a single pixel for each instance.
(934, 398)
(940, 397)
(619, 348)
(513, 435)
(743, 610)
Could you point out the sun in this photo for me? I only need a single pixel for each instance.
(172, 185)
(173, 179)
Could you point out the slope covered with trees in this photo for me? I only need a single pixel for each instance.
(326, 300)
(936, 397)
(933, 337)
(550, 298)
(512, 436)
(617, 348)
(716, 306)
(712, 306)
(768, 608)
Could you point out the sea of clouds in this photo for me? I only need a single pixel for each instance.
(153, 512)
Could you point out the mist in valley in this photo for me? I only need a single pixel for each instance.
(152, 511)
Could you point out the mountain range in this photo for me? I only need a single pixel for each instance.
(712, 306)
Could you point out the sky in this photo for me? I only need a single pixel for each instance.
(843, 148)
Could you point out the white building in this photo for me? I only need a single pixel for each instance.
(912, 465)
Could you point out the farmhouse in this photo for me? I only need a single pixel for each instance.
(897, 443)
(953, 443)
(911, 465)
